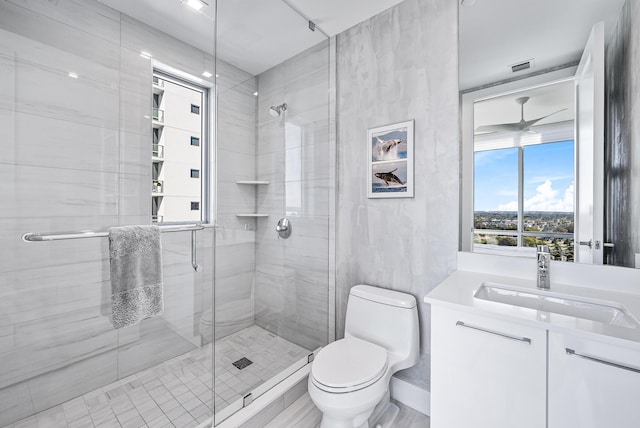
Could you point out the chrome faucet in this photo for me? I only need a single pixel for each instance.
(544, 263)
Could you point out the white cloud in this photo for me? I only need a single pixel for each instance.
(545, 199)
(543, 178)
(509, 206)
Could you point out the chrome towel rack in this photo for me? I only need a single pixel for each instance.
(59, 236)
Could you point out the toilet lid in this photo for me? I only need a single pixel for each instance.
(349, 363)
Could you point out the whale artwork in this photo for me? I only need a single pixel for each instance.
(389, 177)
(387, 149)
(390, 153)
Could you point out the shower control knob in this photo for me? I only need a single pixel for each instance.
(283, 228)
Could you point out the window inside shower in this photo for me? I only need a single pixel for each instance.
(177, 188)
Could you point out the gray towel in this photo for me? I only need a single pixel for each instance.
(135, 254)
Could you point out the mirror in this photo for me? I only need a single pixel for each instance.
(507, 46)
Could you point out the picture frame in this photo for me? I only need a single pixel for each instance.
(390, 160)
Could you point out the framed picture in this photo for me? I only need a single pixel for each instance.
(390, 159)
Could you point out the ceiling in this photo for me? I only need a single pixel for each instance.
(495, 34)
(543, 101)
(253, 35)
(256, 35)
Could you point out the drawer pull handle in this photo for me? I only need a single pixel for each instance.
(598, 360)
(507, 336)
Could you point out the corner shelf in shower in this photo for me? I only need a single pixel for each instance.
(252, 215)
(254, 182)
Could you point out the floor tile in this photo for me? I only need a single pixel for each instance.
(177, 393)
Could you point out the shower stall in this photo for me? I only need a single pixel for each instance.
(116, 113)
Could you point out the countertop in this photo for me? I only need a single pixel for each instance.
(458, 290)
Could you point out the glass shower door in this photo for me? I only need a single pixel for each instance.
(273, 155)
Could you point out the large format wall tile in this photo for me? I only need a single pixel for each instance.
(73, 380)
(396, 66)
(44, 85)
(65, 144)
(235, 145)
(235, 239)
(77, 156)
(85, 29)
(15, 403)
(53, 342)
(292, 280)
(139, 37)
(52, 192)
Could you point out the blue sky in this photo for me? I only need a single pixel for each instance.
(548, 178)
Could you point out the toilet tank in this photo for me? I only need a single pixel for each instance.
(387, 318)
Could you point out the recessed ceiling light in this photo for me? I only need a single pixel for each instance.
(255, 94)
(207, 74)
(196, 4)
(73, 75)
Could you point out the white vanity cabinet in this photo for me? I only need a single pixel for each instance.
(592, 384)
(486, 373)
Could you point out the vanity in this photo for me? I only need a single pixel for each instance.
(507, 354)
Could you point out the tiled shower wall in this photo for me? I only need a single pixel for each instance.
(75, 154)
(295, 154)
(235, 243)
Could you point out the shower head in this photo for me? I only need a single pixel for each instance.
(275, 111)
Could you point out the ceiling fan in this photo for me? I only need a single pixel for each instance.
(521, 126)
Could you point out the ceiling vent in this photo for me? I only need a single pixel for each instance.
(522, 65)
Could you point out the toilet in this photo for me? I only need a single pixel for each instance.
(350, 377)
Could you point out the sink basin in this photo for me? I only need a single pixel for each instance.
(606, 312)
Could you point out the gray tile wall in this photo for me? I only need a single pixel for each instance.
(235, 244)
(399, 65)
(75, 154)
(294, 153)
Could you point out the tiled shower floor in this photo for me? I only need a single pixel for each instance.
(176, 393)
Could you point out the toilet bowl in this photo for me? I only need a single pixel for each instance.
(350, 377)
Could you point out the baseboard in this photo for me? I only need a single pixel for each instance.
(410, 395)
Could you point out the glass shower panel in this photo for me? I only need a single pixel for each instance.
(77, 147)
(170, 355)
(273, 148)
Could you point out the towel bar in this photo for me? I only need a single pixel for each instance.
(59, 236)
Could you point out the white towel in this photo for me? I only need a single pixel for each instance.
(135, 254)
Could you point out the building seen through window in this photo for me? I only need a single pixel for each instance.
(177, 155)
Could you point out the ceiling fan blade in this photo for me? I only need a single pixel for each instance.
(534, 121)
(521, 126)
(501, 127)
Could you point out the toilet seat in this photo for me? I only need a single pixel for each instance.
(348, 365)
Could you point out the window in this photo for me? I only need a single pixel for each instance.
(518, 176)
(174, 197)
(523, 197)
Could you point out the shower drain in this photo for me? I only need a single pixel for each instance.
(242, 363)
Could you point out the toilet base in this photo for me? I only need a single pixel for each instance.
(387, 418)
